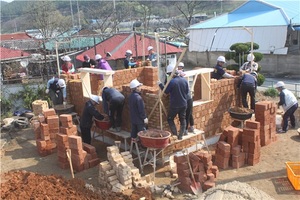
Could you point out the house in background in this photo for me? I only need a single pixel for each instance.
(20, 41)
(137, 43)
(274, 24)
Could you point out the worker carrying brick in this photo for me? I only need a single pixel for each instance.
(86, 120)
(289, 104)
(137, 110)
(113, 103)
(250, 65)
(56, 88)
(178, 89)
(219, 72)
(248, 85)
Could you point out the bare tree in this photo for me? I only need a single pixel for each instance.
(44, 16)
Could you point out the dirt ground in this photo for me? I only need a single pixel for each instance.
(269, 175)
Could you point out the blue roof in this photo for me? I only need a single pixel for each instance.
(257, 13)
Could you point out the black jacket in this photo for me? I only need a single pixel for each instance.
(89, 112)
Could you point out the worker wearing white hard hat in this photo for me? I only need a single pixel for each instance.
(250, 65)
(152, 56)
(86, 120)
(56, 88)
(67, 67)
(129, 62)
(138, 116)
(219, 72)
(178, 89)
(289, 103)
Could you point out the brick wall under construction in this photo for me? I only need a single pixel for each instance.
(211, 117)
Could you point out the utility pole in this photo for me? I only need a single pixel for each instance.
(72, 13)
(78, 13)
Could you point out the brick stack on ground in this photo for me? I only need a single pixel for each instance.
(203, 169)
(119, 172)
(45, 131)
(243, 145)
(265, 113)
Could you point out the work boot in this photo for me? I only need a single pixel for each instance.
(185, 132)
(191, 129)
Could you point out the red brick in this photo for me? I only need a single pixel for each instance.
(94, 162)
(215, 170)
(49, 112)
(180, 158)
(236, 150)
(208, 184)
(89, 148)
(252, 124)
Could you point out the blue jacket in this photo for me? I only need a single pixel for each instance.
(53, 85)
(248, 79)
(89, 112)
(179, 90)
(111, 96)
(136, 108)
(218, 72)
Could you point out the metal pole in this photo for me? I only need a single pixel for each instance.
(57, 59)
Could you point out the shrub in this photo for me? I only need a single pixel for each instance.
(260, 79)
(235, 67)
(271, 92)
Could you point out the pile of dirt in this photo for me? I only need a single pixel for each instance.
(29, 185)
(234, 190)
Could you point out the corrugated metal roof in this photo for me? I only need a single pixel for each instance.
(119, 43)
(256, 13)
(14, 36)
(12, 54)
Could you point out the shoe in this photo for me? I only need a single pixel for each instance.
(179, 137)
(185, 132)
(118, 129)
(112, 129)
(191, 129)
(281, 131)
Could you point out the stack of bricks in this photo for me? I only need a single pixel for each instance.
(67, 127)
(119, 173)
(62, 146)
(78, 155)
(251, 142)
(202, 167)
(265, 113)
(222, 155)
(45, 134)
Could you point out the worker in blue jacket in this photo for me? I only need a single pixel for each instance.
(219, 72)
(86, 120)
(137, 110)
(178, 89)
(248, 85)
(57, 90)
(113, 103)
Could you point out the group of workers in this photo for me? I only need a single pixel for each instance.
(129, 62)
(181, 102)
(248, 85)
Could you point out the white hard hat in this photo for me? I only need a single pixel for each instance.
(170, 68)
(221, 59)
(95, 98)
(150, 48)
(129, 52)
(98, 57)
(279, 84)
(67, 59)
(61, 83)
(181, 64)
(134, 83)
(250, 57)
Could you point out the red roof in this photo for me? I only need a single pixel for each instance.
(11, 53)
(119, 43)
(14, 36)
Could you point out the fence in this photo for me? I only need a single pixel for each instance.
(292, 86)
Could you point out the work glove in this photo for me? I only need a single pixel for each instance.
(146, 120)
(47, 91)
(158, 83)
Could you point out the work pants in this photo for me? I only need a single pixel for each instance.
(115, 113)
(172, 114)
(248, 89)
(289, 114)
(189, 114)
(86, 135)
(56, 97)
(136, 128)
